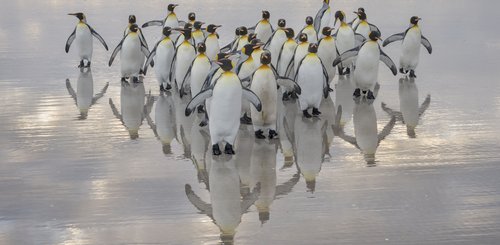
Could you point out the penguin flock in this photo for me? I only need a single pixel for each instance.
(242, 81)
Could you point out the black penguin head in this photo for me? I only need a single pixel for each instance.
(414, 20)
(257, 43)
(201, 48)
(289, 33)
(374, 35)
(131, 19)
(167, 31)
(303, 37)
(251, 36)
(339, 15)
(186, 32)
(265, 58)
(221, 56)
(192, 16)
(243, 31)
(225, 64)
(188, 26)
(171, 7)
(327, 31)
(361, 15)
(266, 15)
(197, 25)
(309, 20)
(282, 23)
(237, 31)
(361, 9)
(134, 28)
(80, 16)
(248, 49)
(313, 48)
(264, 216)
(212, 28)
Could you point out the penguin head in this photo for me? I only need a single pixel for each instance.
(303, 37)
(414, 20)
(188, 26)
(167, 31)
(257, 43)
(192, 16)
(80, 16)
(339, 15)
(282, 23)
(265, 58)
(197, 25)
(221, 56)
(212, 28)
(361, 15)
(327, 31)
(243, 31)
(247, 49)
(186, 32)
(266, 15)
(131, 19)
(201, 48)
(171, 7)
(237, 32)
(252, 36)
(313, 48)
(309, 20)
(225, 64)
(134, 28)
(289, 33)
(374, 36)
(361, 9)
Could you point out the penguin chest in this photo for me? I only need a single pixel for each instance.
(247, 68)
(365, 128)
(164, 118)
(199, 71)
(242, 41)
(309, 144)
(300, 53)
(84, 91)
(411, 48)
(226, 103)
(345, 39)
(171, 21)
(367, 63)
(310, 78)
(198, 37)
(327, 53)
(213, 47)
(276, 43)
(363, 29)
(263, 31)
(312, 36)
(326, 19)
(264, 86)
(163, 58)
(256, 56)
(131, 57)
(84, 41)
(132, 104)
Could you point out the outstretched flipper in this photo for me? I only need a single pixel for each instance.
(70, 40)
(253, 98)
(346, 55)
(387, 129)
(153, 23)
(317, 18)
(197, 100)
(149, 59)
(359, 39)
(388, 62)
(194, 199)
(391, 112)
(96, 35)
(115, 52)
(426, 44)
(393, 38)
(100, 94)
(71, 91)
(424, 105)
(289, 84)
(374, 28)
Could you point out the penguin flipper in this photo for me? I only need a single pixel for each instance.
(374, 28)
(186, 77)
(424, 105)
(348, 138)
(253, 98)
(115, 52)
(150, 57)
(388, 62)
(359, 39)
(198, 99)
(70, 40)
(387, 129)
(71, 91)
(426, 44)
(100, 94)
(326, 86)
(346, 55)
(393, 38)
(289, 84)
(96, 35)
(143, 39)
(285, 188)
(145, 51)
(228, 47)
(194, 199)
(115, 111)
(391, 112)
(319, 15)
(153, 23)
(352, 22)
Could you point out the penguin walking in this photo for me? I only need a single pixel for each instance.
(344, 41)
(412, 39)
(132, 54)
(199, 71)
(327, 52)
(301, 51)
(198, 34)
(285, 66)
(226, 96)
(363, 27)
(312, 35)
(312, 77)
(82, 34)
(263, 29)
(355, 21)
(276, 41)
(323, 18)
(212, 41)
(163, 55)
(366, 73)
(184, 56)
(171, 20)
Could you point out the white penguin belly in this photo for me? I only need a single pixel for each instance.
(84, 42)
(264, 86)
(256, 57)
(365, 128)
(327, 53)
(300, 53)
(263, 169)
(199, 72)
(163, 61)
(312, 36)
(410, 53)
(263, 31)
(343, 97)
(247, 68)
(131, 57)
(367, 63)
(185, 56)
(363, 29)
(165, 119)
(286, 56)
(275, 46)
(345, 41)
(310, 79)
(213, 47)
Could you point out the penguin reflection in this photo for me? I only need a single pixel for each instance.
(84, 96)
(133, 109)
(164, 128)
(184, 123)
(366, 136)
(199, 150)
(343, 98)
(263, 171)
(408, 101)
(226, 205)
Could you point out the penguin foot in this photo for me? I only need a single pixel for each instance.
(135, 79)
(412, 74)
(203, 123)
(306, 114)
(168, 86)
(162, 89)
(316, 112)
(272, 134)
(88, 64)
(141, 72)
(201, 109)
(259, 134)
(370, 95)
(341, 70)
(294, 95)
(216, 150)
(357, 93)
(347, 71)
(229, 149)
(245, 119)
(81, 65)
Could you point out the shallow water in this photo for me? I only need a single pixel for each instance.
(71, 174)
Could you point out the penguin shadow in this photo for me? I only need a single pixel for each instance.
(226, 205)
(163, 126)
(84, 95)
(263, 172)
(366, 136)
(135, 105)
(310, 139)
(410, 110)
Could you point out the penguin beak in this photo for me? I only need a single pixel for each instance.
(217, 26)
(234, 54)
(379, 38)
(335, 22)
(218, 63)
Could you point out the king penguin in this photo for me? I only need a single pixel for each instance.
(163, 55)
(344, 41)
(312, 35)
(285, 66)
(323, 18)
(199, 70)
(363, 27)
(301, 51)
(366, 73)
(198, 35)
(312, 77)
(412, 39)
(184, 56)
(133, 50)
(83, 33)
(264, 30)
(170, 20)
(327, 52)
(276, 41)
(226, 94)
(132, 20)
(212, 41)
(243, 39)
